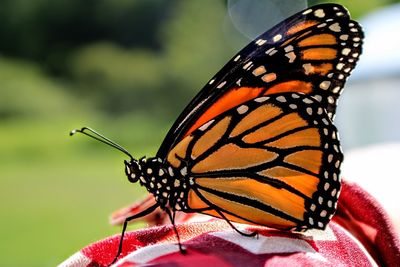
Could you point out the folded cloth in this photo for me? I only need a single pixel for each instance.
(359, 235)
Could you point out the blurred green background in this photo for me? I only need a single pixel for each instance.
(124, 67)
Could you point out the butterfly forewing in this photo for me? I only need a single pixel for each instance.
(273, 160)
(312, 52)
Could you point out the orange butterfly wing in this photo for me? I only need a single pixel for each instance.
(312, 52)
(271, 161)
(257, 144)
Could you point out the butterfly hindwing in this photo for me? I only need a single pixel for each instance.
(312, 52)
(273, 160)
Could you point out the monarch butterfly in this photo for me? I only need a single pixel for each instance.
(257, 145)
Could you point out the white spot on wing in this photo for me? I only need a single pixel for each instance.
(346, 51)
(258, 71)
(336, 89)
(335, 27)
(325, 85)
(260, 42)
(261, 99)
(277, 37)
(318, 98)
(206, 125)
(289, 48)
(281, 99)
(170, 171)
(221, 84)
(319, 13)
(339, 66)
(271, 51)
(184, 171)
(291, 56)
(269, 77)
(242, 109)
(308, 101)
(247, 65)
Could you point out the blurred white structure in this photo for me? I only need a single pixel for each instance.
(368, 116)
(375, 169)
(369, 111)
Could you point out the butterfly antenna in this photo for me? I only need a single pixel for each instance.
(99, 137)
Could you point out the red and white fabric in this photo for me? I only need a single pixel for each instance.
(360, 234)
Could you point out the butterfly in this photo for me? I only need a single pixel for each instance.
(257, 145)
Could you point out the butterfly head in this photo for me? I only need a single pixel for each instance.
(133, 170)
(151, 174)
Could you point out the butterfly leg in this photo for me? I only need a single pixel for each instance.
(255, 233)
(127, 220)
(172, 218)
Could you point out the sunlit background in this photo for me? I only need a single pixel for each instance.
(127, 68)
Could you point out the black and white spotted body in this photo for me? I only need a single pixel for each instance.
(167, 184)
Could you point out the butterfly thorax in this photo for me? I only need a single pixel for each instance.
(160, 179)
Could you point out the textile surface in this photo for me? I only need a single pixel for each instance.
(360, 234)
